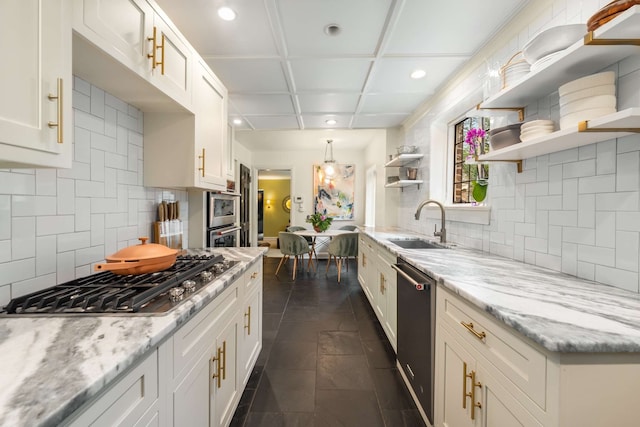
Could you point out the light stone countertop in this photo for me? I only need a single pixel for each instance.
(560, 312)
(51, 365)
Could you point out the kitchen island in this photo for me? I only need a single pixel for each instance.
(53, 365)
(527, 345)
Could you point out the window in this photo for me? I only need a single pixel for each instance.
(465, 175)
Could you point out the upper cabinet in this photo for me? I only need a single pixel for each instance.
(139, 37)
(188, 150)
(35, 110)
(607, 45)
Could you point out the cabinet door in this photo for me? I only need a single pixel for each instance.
(123, 28)
(192, 398)
(172, 70)
(251, 334)
(210, 100)
(225, 383)
(453, 403)
(36, 49)
(499, 407)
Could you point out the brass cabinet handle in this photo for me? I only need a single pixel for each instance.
(254, 274)
(154, 48)
(202, 168)
(217, 359)
(364, 260)
(382, 287)
(59, 123)
(248, 316)
(480, 335)
(472, 394)
(224, 360)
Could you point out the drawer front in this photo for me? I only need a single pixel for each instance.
(253, 277)
(198, 333)
(513, 357)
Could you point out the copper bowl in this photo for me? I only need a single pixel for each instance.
(140, 259)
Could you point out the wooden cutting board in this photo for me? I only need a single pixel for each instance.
(609, 12)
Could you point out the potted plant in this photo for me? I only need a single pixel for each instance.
(475, 139)
(320, 222)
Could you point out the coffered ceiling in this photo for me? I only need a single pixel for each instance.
(284, 71)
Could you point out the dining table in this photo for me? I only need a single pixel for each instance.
(328, 234)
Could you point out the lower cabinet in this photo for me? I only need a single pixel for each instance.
(196, 377)
(378, 280)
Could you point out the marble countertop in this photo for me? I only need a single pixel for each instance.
(560, 312)
(52, 365)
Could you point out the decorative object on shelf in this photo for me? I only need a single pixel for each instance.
(475, 140)
(286, 204)
(412, 173)
(552, 40)
(504, 136)
(407, 149)
(320, 222)
(393, 178)
(334, 195)
(577, 103)
(514, 70)
(535, 129)
(608, 12)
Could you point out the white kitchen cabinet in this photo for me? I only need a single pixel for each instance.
(520, 383)
(131, 401)
(379, 282)
(251, 321)
(387, 294)
(192, 397)
(187, 150)
(36, 84)
(138, 35)
(225, 386)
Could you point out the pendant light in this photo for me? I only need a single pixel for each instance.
(329, 163)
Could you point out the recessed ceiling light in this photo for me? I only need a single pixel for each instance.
(226, 13)
(237, 121)
(418, 74)
(331, 122)
(332, 30)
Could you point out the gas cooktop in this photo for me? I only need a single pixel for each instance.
(109, 293)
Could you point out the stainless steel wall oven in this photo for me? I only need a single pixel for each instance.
(223, 229)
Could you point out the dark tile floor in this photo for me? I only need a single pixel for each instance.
(325, 360)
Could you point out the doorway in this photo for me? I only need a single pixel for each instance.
(274, 202)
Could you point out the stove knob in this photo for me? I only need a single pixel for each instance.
(175, 294)
(218, 267)
(189, 285)
(206, 275)
(226, 262)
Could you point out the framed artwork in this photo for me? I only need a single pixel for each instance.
(333, 193)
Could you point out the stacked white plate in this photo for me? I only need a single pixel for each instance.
(535, 129)
(552, 40)
(587, 98)
(514, 72)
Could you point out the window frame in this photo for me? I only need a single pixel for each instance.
(462, 175)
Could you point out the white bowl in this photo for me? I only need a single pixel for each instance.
(538, 124)
(529, 136)
(587, 93)
(606, 78)
(571, 120)
(600, 101)
(552, 40)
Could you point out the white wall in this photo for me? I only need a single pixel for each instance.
(56, 223)
(575, 211)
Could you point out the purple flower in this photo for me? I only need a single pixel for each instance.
(473, 134)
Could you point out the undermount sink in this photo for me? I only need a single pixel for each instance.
(415, 244)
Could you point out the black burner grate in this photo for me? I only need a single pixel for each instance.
(107, 292)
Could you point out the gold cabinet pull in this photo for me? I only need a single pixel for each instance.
(364, 260)
(202, 157)
(382, 287)
(247, 315)
(254, 274)
(154, 48)
(474, 404)
(217, 359)
(480, 335)
(224, 361)
(154, 51)
(59, 123)
(464, 385)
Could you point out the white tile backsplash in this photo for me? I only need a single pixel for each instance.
(56, 223)
(575, 211)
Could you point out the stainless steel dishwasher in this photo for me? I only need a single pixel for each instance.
(416, 332)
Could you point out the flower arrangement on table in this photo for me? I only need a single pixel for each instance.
(475, 140)
(320, 222)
